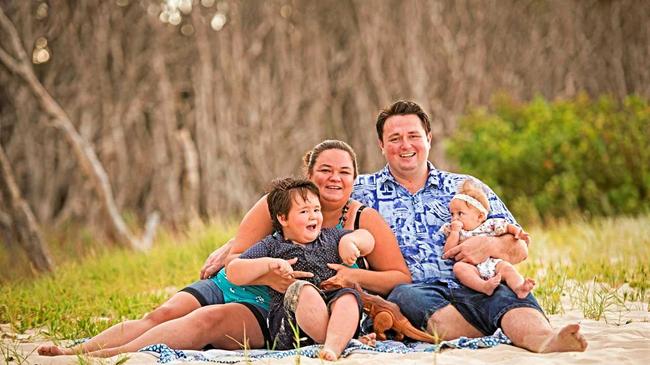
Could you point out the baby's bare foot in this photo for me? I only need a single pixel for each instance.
(567, 339)
(491, 284)
(525, 288)
(327, 354)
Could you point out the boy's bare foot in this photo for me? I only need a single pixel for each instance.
(327, 354)
(369, 339)
(566, 339)
(53, 350)
(525, 288)
(491, 284)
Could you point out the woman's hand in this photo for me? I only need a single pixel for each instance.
(344, 278)
(215, 261)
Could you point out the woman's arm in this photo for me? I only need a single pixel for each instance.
(255, 225)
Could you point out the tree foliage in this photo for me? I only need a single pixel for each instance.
(551, 159)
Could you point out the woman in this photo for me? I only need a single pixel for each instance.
(183, 323)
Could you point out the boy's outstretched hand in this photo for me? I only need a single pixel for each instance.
(283, 267)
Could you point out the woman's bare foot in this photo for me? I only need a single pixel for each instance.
(525, 288)
(328, 354)
(491, 284)
(54, 350)
(566, 339)
(369, 339)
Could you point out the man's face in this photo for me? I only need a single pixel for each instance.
(405, 145)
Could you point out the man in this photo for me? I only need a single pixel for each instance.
(413, 196)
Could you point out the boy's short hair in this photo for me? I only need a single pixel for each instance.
(283, 193)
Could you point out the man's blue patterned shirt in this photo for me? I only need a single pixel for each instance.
(416, 218)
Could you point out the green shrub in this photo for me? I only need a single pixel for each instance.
(555, 159)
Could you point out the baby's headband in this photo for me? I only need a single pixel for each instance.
(471, 201)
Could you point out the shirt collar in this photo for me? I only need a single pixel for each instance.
(433, 179)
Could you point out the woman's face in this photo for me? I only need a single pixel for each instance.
(333, 173)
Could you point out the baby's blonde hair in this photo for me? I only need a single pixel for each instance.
(471, 188)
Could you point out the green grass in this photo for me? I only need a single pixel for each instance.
(596, 265)
(593, 266)
(83, 298)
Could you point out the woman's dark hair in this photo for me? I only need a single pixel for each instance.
(309, 160)
(283, 193)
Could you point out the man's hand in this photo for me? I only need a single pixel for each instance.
(473, 250)
(342, 279)
(215, 261)
(349, 252)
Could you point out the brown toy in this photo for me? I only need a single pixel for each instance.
(387, 315)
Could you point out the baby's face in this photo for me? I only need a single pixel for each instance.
(469, 216)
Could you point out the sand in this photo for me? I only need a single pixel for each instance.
(621, 337)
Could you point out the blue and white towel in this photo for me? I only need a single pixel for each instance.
(167, 354)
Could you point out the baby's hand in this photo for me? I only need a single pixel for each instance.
(282, 267)
(456, 226)
(349, 252)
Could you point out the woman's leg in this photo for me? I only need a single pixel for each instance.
(342, 326)
(178, 305)
(223, 326)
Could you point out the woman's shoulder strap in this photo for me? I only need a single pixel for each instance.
(357, 217)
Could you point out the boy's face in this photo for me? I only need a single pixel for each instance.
(303, 223)
(469, 216)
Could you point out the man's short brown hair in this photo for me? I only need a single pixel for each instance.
(402, 107)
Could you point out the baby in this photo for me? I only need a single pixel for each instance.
(469, 209)
(329, 317)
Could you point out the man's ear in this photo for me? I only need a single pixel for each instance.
(282, 219)
(380, 143)
(429, 137)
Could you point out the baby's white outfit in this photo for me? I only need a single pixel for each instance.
(492, 227)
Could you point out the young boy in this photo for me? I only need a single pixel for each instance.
(469, 209)
(299, 243)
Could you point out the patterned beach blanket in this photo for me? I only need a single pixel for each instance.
(167, 355)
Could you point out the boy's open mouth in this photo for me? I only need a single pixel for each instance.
(312, 227)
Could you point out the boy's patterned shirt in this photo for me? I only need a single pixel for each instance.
(416, 218)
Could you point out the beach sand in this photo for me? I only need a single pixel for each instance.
(621, 337)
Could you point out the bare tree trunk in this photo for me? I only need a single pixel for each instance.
(23, 224)
(84, 153)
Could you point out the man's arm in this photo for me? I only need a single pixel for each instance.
(477, 249)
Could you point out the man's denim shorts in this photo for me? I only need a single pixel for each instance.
(419, 301)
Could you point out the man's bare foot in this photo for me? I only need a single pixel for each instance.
(369, 339)
(525, 288)
(567, 339)
(491, 284)
(328, 354)
(53, 350)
